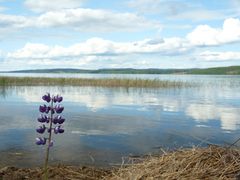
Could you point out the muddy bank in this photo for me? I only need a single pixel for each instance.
(60, 172)
(196, 163)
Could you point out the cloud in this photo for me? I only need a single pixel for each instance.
(90, 20)
(13, 21)
(176, 9)
(100, 47)
(204, 35)
(47, 5)
(219, 56)
(198, 15)
(158, 6)
(81, 20)
(95, 53)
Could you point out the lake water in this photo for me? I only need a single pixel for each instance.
(105, 124)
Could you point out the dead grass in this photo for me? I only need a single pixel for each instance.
(212, 163)
(201, 163)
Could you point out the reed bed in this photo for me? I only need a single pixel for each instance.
(202, 163)
(110, 82)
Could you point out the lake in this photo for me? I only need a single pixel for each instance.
(105, 124)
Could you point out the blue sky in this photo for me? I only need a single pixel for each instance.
(93, 34)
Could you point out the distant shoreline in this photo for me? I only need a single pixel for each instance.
(230, 70)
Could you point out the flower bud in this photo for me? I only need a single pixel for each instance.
(59, 109)
(41, 141)
(41, 129)
(42, 108)
(47, 97)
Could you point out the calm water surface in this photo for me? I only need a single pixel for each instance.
(105, 124)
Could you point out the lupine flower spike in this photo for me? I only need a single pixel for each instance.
(48, 121)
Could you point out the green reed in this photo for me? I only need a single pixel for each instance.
(104, 82)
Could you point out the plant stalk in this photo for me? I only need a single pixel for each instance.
(48, 145)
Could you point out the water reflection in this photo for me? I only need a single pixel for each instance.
(107, 123)
(229, 116)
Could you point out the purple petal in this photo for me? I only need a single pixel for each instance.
(56, 129)
(57, 98)
(47, 97)
(38, 141)
(48, 108)
(42, 108)
(41, 129)
(60, 98)
(43, 118)
(59, 109)
(44, 141)
(61, 130)
(54, 99)
(41, 141)
(60, 121)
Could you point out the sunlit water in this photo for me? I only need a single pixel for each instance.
(105, 124)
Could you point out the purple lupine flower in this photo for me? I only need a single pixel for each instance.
(57, 99)
(47, 97)
(42, 108)
(59, 109)
(41, 129)
(58, 119)
(41, 141)
(48, 108)
(58, 130)
(43, 119)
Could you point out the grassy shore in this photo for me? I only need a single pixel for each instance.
(110, 82)
(212, 162)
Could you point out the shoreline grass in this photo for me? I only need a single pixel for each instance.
(213, 162)
(108, 82)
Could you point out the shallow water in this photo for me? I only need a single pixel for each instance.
(105, 124)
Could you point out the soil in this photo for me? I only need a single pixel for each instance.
(59, 172)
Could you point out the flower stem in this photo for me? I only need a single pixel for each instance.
(48, 144)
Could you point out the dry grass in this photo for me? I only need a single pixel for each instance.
(201, 163)
(212, 163)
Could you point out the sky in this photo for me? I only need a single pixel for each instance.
(95, 34)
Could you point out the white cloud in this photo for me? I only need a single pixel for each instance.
(81, 20)
(219, 56)
(13, 21)
(100, 47)
(95, 53)
(205, 35)
(92, 20)
(198, 15)
(158, 6)
(176, 9)
(48, 5)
